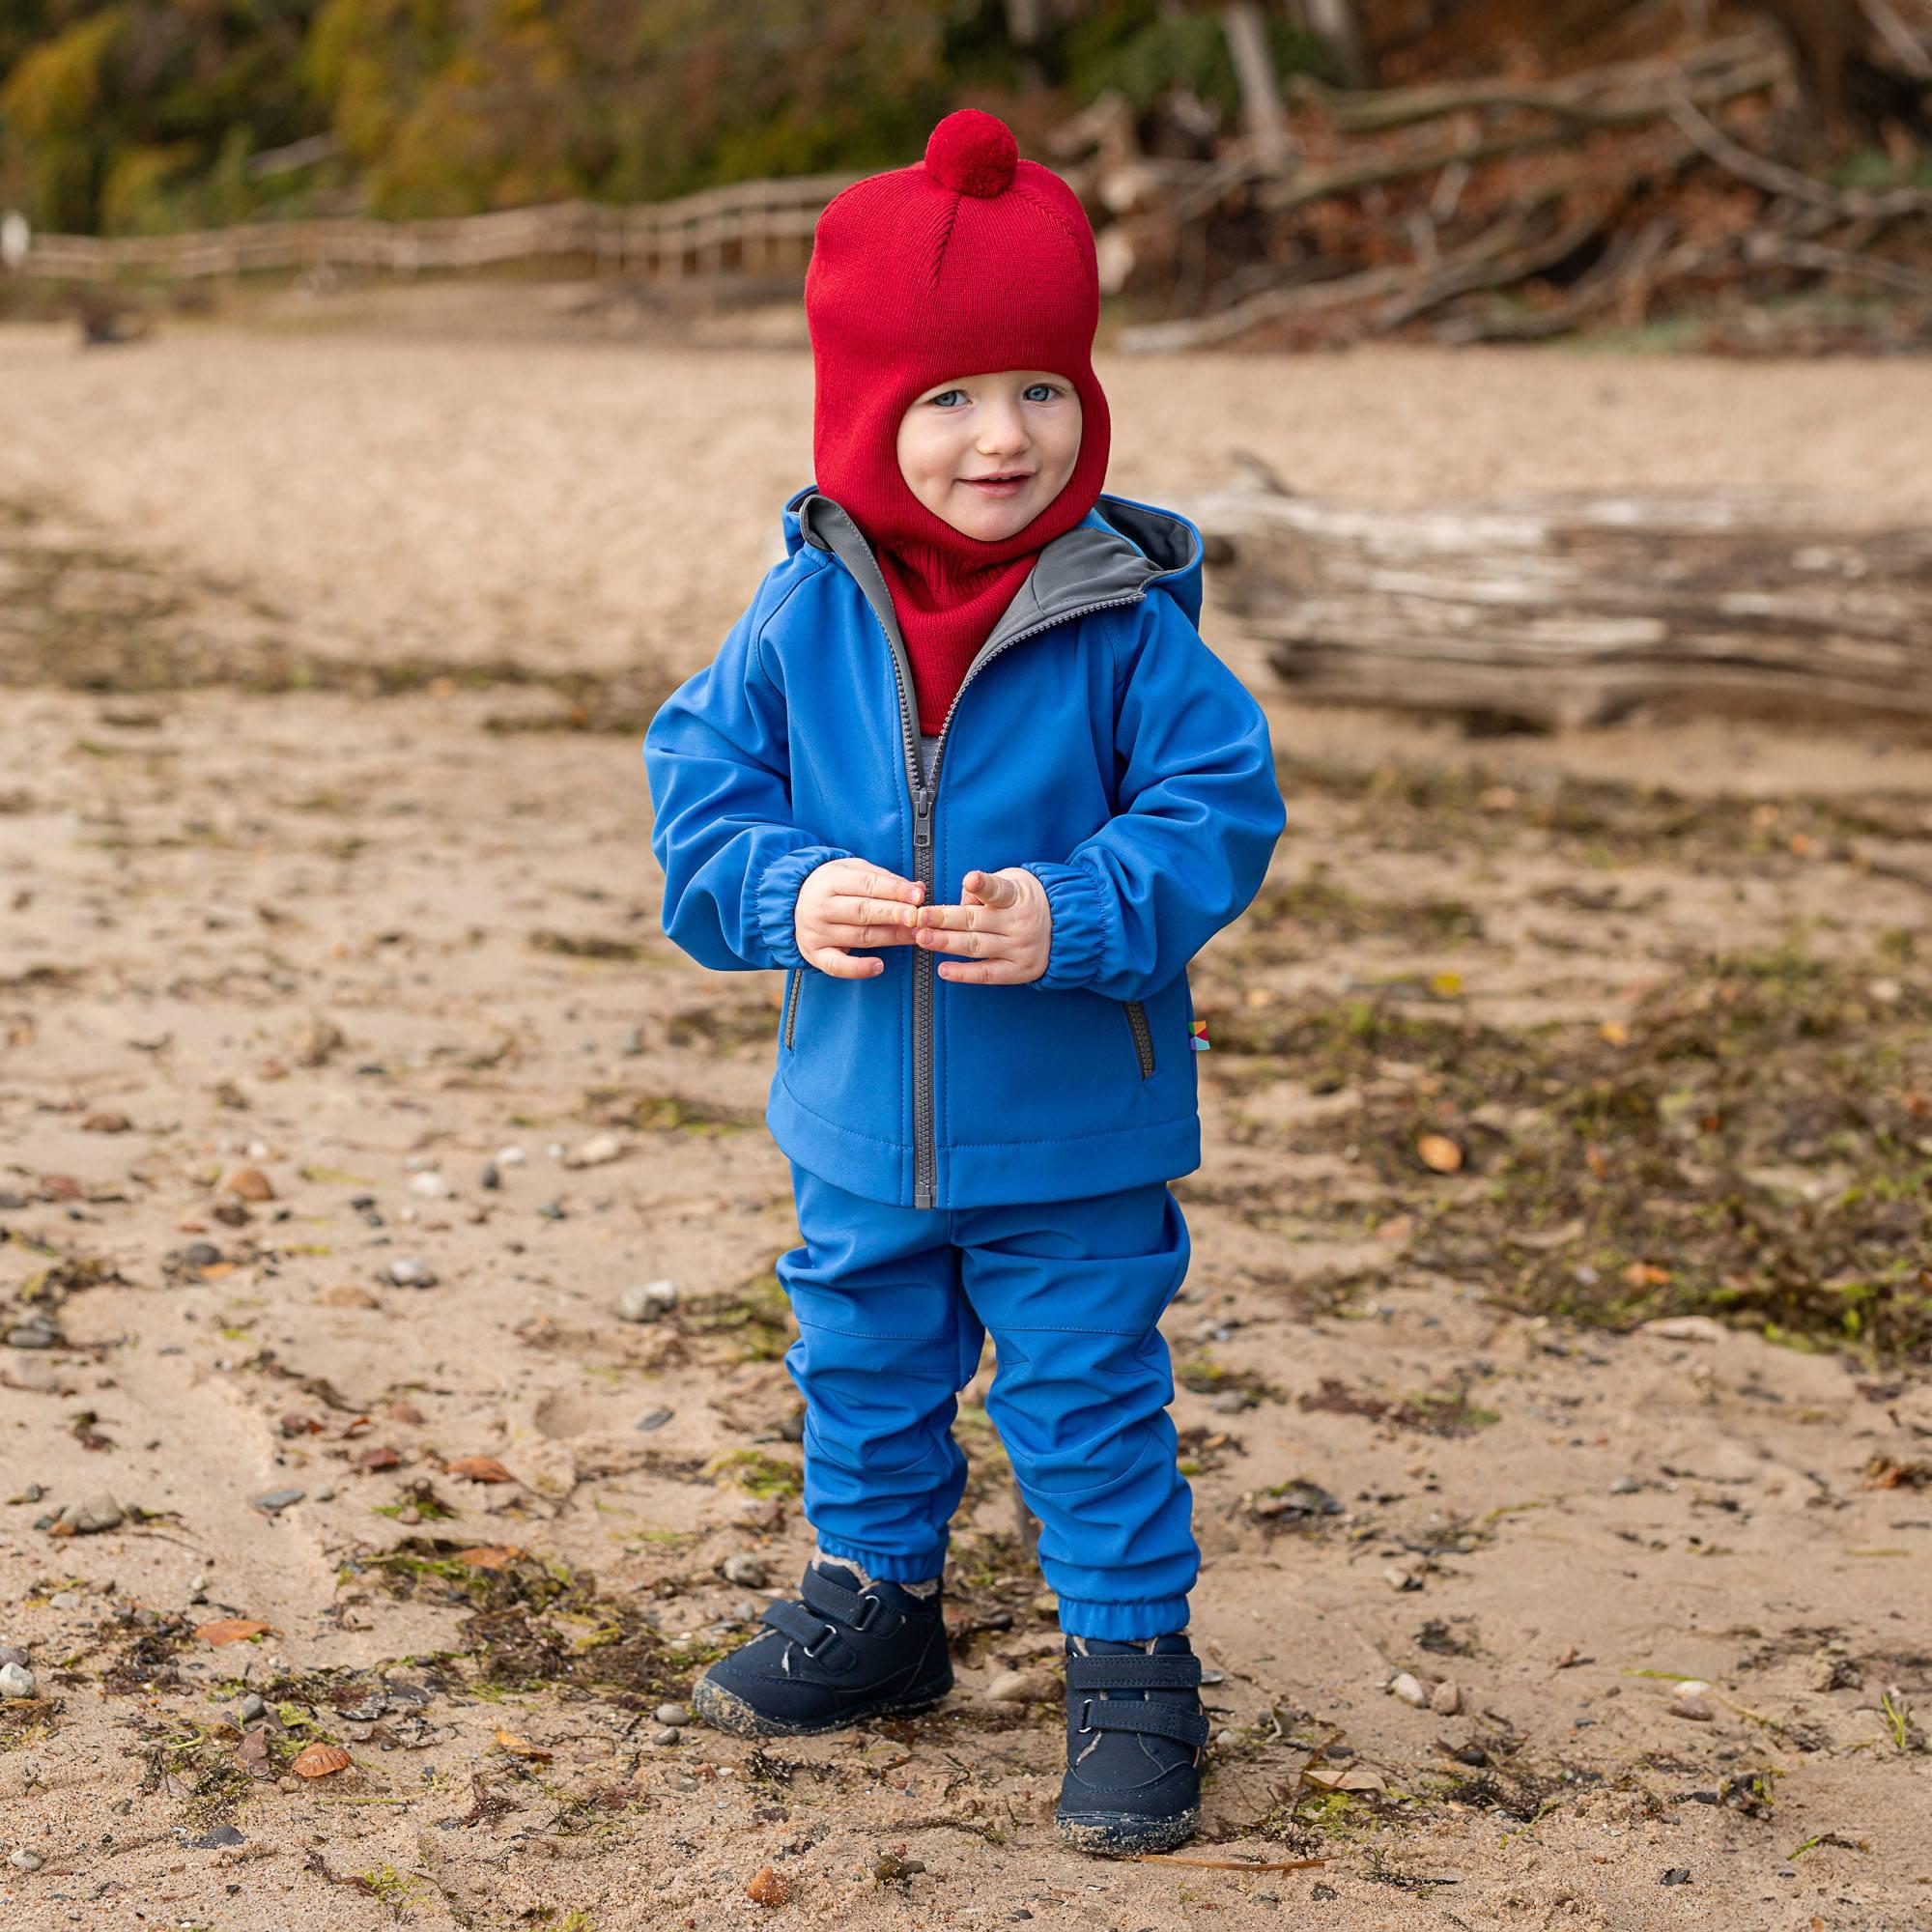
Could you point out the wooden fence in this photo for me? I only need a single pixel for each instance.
(748, 227)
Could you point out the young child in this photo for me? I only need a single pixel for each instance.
(966, 770)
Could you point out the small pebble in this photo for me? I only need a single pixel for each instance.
(656, 1419)
(407, 1271)
(510, 1156)
(746, 1571)
(1409, 1689)
(1021, 1687)
(93, 1514)
(599, 1151)
(430, 1184)
(26, 1860)
(1446, 1699)
(672, 1713)
(492, 1177)
(278, 1500)
(250, 1708)
(669, 1735)
(647, 1301)
(1625, 1485)
(17, 1681)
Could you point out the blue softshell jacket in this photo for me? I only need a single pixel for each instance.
(1095, 739)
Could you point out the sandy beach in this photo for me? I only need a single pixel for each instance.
(347, 1084)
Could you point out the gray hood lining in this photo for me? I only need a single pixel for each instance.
(1079, 567)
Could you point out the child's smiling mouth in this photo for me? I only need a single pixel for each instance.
(1007, 483)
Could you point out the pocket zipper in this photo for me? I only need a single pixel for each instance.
(1143, 1036)
(791, 1005)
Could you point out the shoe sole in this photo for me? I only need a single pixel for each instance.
(726, 1710)
(1121, 1834)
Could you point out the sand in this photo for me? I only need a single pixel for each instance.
(364, 945)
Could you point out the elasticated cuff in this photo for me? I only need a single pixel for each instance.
(776, 897)
(885, 1565)
(1123, 1623)
(1079, 939)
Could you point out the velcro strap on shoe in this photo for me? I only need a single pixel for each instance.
(1124, 1673)
(829, 1598)
(796, 1622)
(850, 1608)
(1148, 1718)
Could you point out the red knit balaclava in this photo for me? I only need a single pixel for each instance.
(971, 263)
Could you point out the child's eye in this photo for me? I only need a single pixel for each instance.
(940, 399)
(1051, 392)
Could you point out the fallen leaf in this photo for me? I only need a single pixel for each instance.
(382, 1457)
(249, 1184)
(231, 1630)
(346, 1294)
(491, 1555)
(1341, 1777)
(1441, 1153)
(321, 1761)
(521, 1747)
(479, 1469)
(768, 1886)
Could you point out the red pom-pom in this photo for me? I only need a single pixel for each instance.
(972, 152)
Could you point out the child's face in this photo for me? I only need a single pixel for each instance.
(1020, 423)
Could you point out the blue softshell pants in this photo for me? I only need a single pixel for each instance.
(893, 1304)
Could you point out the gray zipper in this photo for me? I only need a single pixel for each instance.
(925, 1184)
(791, 1005)
(1143, 1036)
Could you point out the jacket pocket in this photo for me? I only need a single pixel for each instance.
(1137, 1021)
(793, 985)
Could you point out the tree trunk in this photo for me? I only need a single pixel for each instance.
(1576, 608)
(1261, 99)
(1339, 25)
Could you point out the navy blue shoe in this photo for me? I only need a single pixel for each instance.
(841, 1655)
(1134, 1737)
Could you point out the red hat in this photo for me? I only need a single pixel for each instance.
(972, 262)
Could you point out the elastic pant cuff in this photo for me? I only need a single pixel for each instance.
(886, 1565)
(1123, 1623)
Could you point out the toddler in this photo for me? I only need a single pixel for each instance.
(967, 772)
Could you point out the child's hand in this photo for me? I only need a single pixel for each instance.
(1003, 920)
(848, 902)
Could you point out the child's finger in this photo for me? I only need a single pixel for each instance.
(847, 934)
(985, 972)
(842, 966)
(993, 890)
(981, 943)
(973, 917)
(857, 909)
(861, 880)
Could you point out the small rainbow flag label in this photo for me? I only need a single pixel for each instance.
(1198, 1036)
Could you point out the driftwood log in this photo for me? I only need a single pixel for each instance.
(1577, 608)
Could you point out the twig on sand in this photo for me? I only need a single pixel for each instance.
(1229, 1865)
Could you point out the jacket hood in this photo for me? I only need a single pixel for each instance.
(1118, 550)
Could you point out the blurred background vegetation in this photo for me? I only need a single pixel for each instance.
(149, 115)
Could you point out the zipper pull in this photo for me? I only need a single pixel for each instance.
(922, 821)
